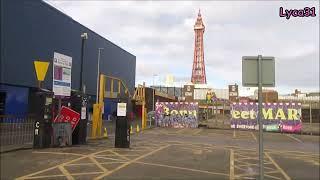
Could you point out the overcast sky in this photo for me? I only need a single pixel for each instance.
(160, 34)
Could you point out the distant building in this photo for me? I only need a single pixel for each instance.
(268, 96)
(221, 93)
(171, 91)
(312, 94)
(302, 99)
(245, 99)
(299, 96)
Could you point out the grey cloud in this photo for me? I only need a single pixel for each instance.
(160, 34)
(302, 71)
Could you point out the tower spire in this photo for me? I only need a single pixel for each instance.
(198, 68)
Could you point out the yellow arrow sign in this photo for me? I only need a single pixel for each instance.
(41, 69)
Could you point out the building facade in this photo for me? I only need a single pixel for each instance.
(34, 30)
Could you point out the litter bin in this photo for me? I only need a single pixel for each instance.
(122, 134)
(62, 134)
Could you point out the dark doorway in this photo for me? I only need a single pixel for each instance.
(2, 102)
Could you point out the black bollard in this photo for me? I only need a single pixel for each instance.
(122, 134)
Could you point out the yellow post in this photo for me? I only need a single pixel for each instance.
(95, 120)
(119, 87)
(102, 88)
(101, 102)
(138, 129)
(143, 123)
(145, 117)
(105, 134)
(131, 129)
(111, 88)
(142, 117)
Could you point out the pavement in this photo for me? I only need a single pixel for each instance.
(163, 153)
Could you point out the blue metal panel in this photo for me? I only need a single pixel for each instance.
(16, 102)
(110, 106)
(34, 30)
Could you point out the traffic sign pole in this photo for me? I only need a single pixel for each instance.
(259, 71)
(260, 120)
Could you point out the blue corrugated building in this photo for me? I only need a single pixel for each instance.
(34, 30)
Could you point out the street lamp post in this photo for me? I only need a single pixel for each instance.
(98, 74)
(84, 36)
(153, 90)
(83, 111)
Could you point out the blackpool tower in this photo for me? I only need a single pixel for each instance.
(198, 68)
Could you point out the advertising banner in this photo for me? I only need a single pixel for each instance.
(62, 65)
(278, 117)
(68, 115)
(177, 114)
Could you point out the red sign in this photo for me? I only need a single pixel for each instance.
(68, 115)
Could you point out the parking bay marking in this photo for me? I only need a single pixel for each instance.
(294, 138)
(254, 137)
(57, 166)
(231, 164)
(277, 166)
(182, 168)
(58, 153)
(119, 155)
(130, 162)
(62, 175)
(98, 164)
(66, 173)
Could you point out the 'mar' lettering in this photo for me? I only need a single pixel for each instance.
(279, 114)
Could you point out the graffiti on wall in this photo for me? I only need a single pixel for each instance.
(279, 117)
(176, 114)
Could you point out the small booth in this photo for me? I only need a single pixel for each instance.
(122, 134)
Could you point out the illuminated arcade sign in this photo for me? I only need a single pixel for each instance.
(284, 117)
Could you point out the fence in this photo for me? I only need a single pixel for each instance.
(110, 125)
(16, 130)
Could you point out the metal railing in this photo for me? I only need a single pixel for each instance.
(15, 130)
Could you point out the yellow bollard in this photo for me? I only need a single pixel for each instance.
(105, 134)
(138, 129)
(131, 129)
(96, 121)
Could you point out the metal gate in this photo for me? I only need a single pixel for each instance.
(16, 131)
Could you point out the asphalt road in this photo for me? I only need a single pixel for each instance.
(172, 154)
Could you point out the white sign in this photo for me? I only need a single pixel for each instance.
(36, 130)
(188, 94)
(122, 109)
(233, 94)
(200, 94)
(62, 66)
(83, 113)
